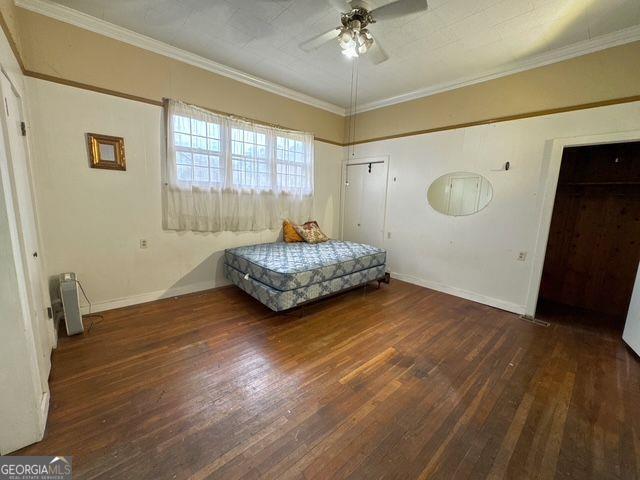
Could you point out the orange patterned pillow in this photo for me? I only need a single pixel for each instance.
(289, 232)
(311, 232)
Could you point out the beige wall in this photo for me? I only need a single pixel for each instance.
(9, 20)
(51, 47)
(609, 74)
(92, 220)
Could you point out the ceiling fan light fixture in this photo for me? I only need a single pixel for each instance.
(364, 40)
(351, 52)
(346, 36)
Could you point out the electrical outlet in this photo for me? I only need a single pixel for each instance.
(143, 244)
(522, 256)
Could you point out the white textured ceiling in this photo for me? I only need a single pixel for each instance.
(452, 41)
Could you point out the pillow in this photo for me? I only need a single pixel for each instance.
(289, 233)
(311, 232)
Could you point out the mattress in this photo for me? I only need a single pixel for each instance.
(290, 266)
(279, 300)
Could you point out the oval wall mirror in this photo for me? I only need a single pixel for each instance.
(460, 193)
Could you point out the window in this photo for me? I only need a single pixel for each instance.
(290, 163)
(222, 173)
(252, 157)
(198, 147)
(250, 163)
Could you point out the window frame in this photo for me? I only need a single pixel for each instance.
(249, 156)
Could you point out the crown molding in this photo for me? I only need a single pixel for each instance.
(628, 35)
(102, 27)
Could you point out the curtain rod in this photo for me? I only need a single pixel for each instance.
(165, 102)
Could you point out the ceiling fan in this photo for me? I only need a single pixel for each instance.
(353, 36)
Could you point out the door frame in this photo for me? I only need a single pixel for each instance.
(548, 200)
(343, 186)
(42, 293)
(42, 280)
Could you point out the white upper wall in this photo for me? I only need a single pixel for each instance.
(92, 220)
(476, 256)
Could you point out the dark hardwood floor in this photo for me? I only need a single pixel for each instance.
(403, 382)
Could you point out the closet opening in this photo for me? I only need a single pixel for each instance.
(593, 248)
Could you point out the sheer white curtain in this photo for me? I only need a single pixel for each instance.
(226, 174)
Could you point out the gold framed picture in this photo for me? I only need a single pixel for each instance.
(106, 151)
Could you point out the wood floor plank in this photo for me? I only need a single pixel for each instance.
(398, 382)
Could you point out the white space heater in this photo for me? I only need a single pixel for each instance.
(70, 303)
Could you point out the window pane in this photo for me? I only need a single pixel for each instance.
(201, 160)
(236, 134)
(182, 140)
(262, 139)
(184, 173)
(201, 174)
(249, 136)
(199, 143)
(198, 127)
(214, 161)
(213, 130)
(213, 145)
(181, 124)
(184, 158)
(249, 150)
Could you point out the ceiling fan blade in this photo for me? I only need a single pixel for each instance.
(340, 5)
(399, 8)
(376, 53)
(319, 40)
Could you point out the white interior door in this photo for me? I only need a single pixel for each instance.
(23, 201)
(631, 333)
(365, 201)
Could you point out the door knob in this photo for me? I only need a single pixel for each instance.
(35, 254)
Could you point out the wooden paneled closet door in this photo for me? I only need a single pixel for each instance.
(594, 239)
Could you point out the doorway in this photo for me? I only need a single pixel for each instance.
(593, 247)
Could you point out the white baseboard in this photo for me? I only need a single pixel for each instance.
(197, 287)
(458, 292)
(151, 296)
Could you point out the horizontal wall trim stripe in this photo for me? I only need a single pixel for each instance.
(159, 103)
(85, 86)
(506, 118)
(519, 116)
